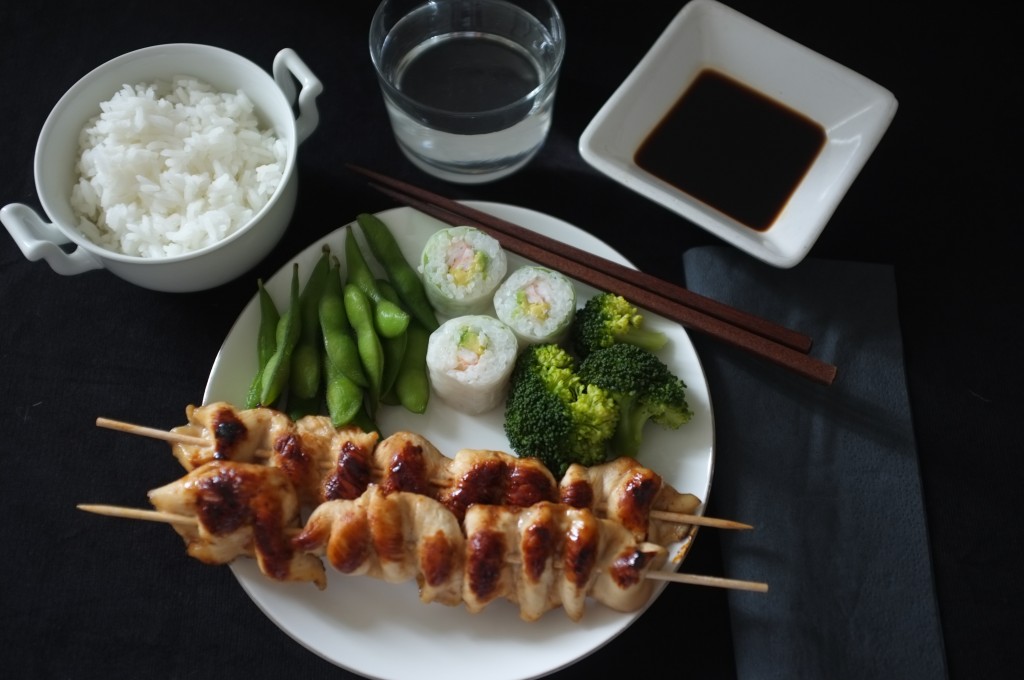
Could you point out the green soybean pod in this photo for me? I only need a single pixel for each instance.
(364, 421)
(394, 348)
(390, 319)
(303, 406)
(304, 379)
(401, 274)
(412, 385)
(360, 315)
(344, 397)
(339, 339)
(252, 397)
(266, 342)
(275, 376)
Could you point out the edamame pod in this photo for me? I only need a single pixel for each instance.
(339, 340)
(394, 348)
(269, 316)
(364, 421)
(402, 275)
(299, 407)
(389, 319)
(252, 397)
(305, 369)
(360, 315)
(344, 397)
(266, 343)
(412, 385)
(275, 376)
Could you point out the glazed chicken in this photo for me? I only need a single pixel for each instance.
(540, 557)
(324, 463)
(241, 509)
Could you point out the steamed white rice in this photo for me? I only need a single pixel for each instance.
(170, 167)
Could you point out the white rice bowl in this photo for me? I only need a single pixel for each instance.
(171, 167)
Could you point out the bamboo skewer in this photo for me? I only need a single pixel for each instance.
(137, 513)
(713, 581)
(152, 432)
(185, 520)
(179, 438)
(735, 328)
(699, 520)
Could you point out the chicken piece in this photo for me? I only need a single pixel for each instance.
(665, 532)
(496, 478)
(490, 539)
(343, 456)
(296, 455)
(395, 537)
(621, 582)
(409, 462)
(626, 492)
(232, 434)
(581, 534)
(621, 490)
(539, 557)
(440, 551)
(242, 509)
(539, 538)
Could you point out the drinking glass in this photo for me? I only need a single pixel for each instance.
(469, 85)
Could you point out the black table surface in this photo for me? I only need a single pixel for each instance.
(936, 201)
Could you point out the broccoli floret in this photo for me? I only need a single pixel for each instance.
(606, 319)
(644, 388)
(553, 416)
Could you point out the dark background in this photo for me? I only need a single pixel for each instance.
(938, 200)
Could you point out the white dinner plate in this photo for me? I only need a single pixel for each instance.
(383, 630)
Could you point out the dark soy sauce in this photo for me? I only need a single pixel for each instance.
(732, 148)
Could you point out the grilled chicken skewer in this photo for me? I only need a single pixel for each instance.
(541, 557)
(327, 464)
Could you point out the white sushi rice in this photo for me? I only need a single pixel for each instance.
(470, 360)
(170, 167)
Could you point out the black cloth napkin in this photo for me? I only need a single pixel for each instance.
(828, 475)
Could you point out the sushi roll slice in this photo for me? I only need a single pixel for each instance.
(538, 304)
(470, 360)
(461, 267)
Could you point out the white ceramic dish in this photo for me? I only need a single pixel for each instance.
(854, 111)
(68, 251)
(359, 623)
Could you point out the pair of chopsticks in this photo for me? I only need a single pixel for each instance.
(766, 339)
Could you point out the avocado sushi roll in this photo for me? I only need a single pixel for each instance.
(537, 303)
(470, 360)
(461, 267)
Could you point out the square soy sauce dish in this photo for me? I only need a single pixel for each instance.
(740, 130)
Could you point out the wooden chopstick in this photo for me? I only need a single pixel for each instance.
(553, 254)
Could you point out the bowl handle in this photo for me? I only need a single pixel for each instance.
(40, 240)
(286, 65)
